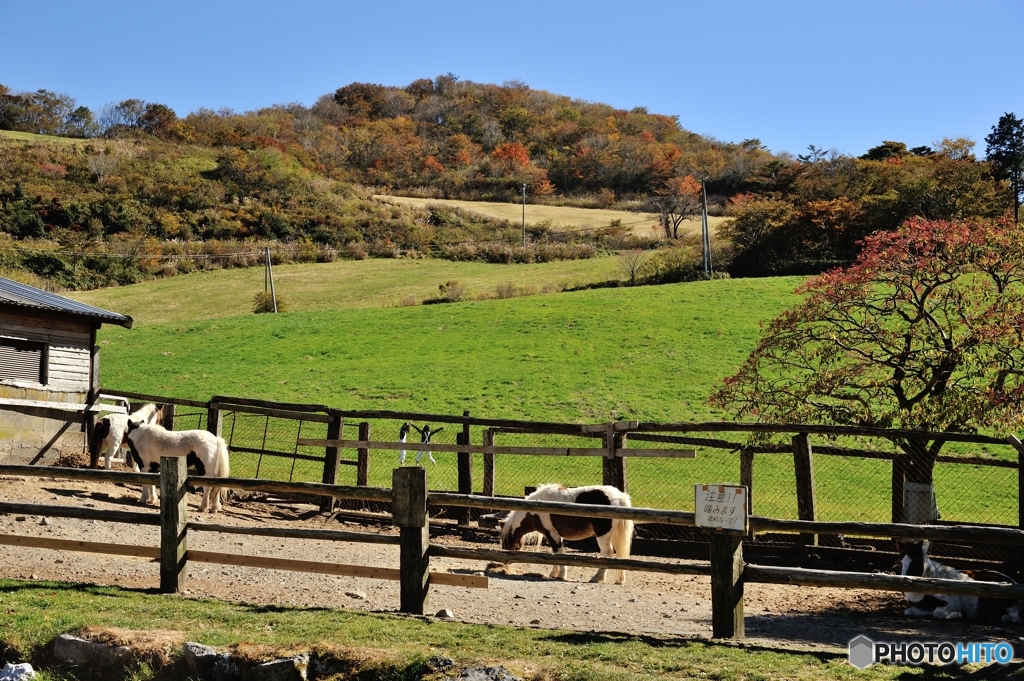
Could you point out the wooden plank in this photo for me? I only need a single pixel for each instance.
(646, 515)
(297, 533)
(465, 469)
(74, 407)
(287, 455)
(763, 574)
(81, 546)
(727, 586)
(81, 474)
(81, 513)
(950, 533)
(232, 402)
(451, 579)
(276, 413)
(495, 449)
(293, 565)
(157, 399)
(571, 559)
(311, 488)
(731, 426)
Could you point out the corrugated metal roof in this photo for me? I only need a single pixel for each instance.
(22, 295)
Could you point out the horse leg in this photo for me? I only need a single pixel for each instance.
(607, 551)
(558, 571)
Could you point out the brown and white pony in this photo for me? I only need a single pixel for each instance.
(203, 450)
(110, 431)
(914, 561)
(614, 536)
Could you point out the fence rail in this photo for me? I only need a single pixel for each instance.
(410, 498)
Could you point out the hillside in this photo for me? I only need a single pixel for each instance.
(644, 352)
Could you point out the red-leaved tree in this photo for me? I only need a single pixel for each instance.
(923, 332)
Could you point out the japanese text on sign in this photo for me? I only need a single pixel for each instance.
(722, 507)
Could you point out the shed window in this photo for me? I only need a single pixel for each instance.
(23, 360)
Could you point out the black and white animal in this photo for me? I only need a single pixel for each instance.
(110, 431)
(914, 561)
(207, 452)
(425, 434)
(614, 536)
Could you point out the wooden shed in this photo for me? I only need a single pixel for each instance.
(49, 372)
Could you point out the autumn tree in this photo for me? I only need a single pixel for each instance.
(1005, 152)
(676, 200)
(924, 332)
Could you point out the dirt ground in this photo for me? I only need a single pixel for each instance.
(648, 603)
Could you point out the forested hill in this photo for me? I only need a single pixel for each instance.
(136, 179)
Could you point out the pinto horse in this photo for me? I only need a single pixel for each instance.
(111, 429)
(614, 536)
(207, 452)
(914, 561)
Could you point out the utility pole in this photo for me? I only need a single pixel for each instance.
(705, 233)
(268, 275)
(524, 217)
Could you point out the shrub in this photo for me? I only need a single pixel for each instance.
(263, 302)
(505, 290)
(452, 291)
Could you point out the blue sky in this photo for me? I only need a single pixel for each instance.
(842, 75)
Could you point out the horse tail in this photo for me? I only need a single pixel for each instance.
(223, 467)
(99, 434)
(622, 537)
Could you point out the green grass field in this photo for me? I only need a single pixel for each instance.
(383, 646)
(646, 353)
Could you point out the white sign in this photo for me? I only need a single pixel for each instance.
(721, 507)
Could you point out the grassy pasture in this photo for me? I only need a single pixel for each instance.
(561, 217)
(15, 136)
(384, 646)
(650, 353)
(339, 285)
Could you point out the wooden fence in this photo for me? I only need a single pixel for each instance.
(615, 444)
(410, 497)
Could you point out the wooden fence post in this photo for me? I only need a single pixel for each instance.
(409, 510)
(488, 464)
(727, 586)
(331, 455)
(747, 476)
(805, 502)
(1019, 446)
(465, 471)
(363, 456)
(214, 420)
(613, 466)
(899, 479)
(168, 419)
(173, 523)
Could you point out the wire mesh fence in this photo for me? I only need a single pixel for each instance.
(853, 477)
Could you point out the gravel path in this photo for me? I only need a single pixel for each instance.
(648, 603)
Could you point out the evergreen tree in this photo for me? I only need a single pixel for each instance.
(1006, 154)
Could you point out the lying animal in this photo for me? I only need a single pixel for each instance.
(914, 561)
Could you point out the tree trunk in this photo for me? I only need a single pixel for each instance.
(919, 505)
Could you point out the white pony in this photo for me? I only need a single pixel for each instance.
(201, 448)
(914, 561)
(110, 431)
(614, 536)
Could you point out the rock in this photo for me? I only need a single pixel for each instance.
(210, 664)
(17, 672)
(534, 621)
(45, 521)
(20, 518)
(439, 663)
(482, 673)
(68, 648)
(358, 595)
(445, 614)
